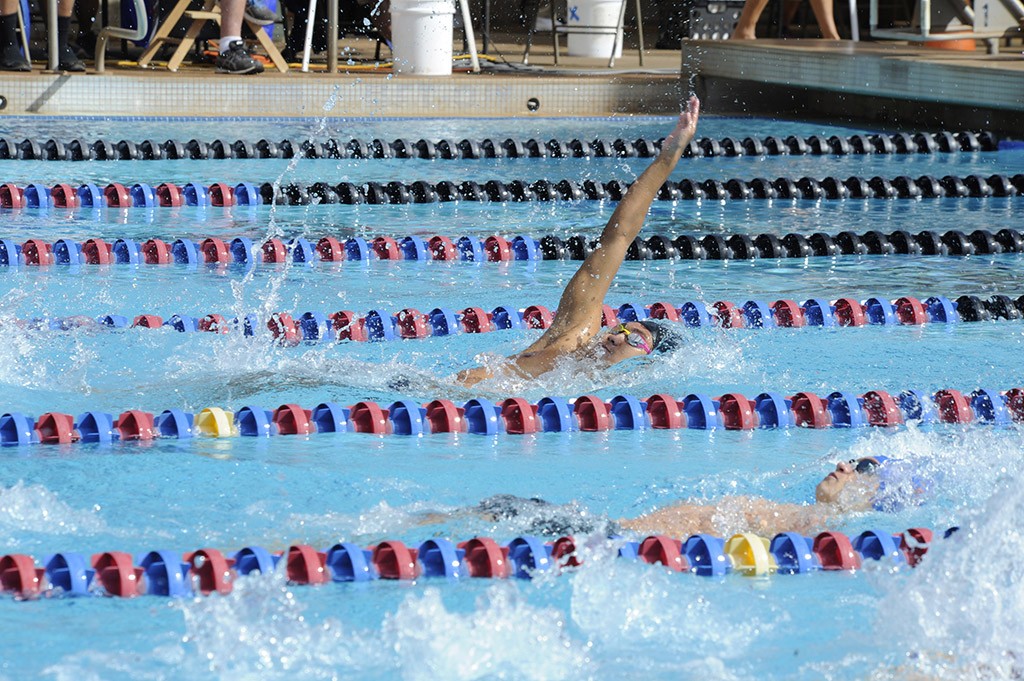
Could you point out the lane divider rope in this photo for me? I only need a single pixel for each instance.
(222, 194)
(208, 571)
(243, 251)
(517, 416)
(378, 325)
(446, 149)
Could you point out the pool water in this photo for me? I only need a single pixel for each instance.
(957, 615)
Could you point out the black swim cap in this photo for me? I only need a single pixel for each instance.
(664, 336)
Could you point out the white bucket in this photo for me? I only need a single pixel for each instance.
(604, 13)
(421, 33)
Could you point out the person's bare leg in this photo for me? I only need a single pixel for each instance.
(823, 13)
(231, 12)
(748, 20)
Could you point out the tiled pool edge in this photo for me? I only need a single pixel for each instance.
(200, 94)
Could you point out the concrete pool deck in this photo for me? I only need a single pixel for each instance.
(881, 82)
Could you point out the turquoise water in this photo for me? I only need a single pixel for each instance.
(955, 616)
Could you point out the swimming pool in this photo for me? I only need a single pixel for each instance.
(954, 615)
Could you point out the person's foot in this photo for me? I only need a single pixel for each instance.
(237, 61)
(258, 14)
(11, 60)
(67, 60)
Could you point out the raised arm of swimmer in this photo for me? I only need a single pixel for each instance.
(578, 319)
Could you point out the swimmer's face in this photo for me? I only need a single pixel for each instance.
(626, 341)
(856, 473)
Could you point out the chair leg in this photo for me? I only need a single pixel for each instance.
(854, 26)
(640, 31)
(619, 28)
(554, 30)
(163, 33)
(531, 26)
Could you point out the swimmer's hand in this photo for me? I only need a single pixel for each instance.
(675, 144)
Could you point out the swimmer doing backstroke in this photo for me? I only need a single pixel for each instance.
(577, 324)
(867, 483)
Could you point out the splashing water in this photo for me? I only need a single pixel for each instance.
(26, 507)
(960, 614)
(262, 629)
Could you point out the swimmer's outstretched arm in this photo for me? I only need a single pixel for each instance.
(579, 310)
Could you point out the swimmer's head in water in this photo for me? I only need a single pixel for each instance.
(664, 334)
(631, 339)
(860, 473)
(636, 339)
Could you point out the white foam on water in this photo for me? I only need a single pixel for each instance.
(261, 630)
(35, 508)
(504, 637)
(102, 665)
(960, 613)
(661, 608)
(26, 354)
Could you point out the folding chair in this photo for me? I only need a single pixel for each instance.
(571, 27)
(210, 12)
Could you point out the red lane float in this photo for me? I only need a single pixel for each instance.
(537, 317)
(330, 250)
(212, 571)
(169, 195)
(788, 314)
(953, 407)
(484, 558)
(135, 425)
(221, 195)
(117, 575)
(306, 565)
(156, 252)
(386, 248)
(729, 316)
(520, 416)
(666, 412)
(665, 551)
(394, 560)
(444, 417)
(37, 252)
(810, 411)
(737, 412)
(214, 250)
(882, 409)
(291, 419)
(19, 575)
(836, 552)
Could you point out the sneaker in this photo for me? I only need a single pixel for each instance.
(258, 14)
(236, 60)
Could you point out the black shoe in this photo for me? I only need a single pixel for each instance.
(67, 60)
(258, 14)
(237, 61)
(11, 60)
